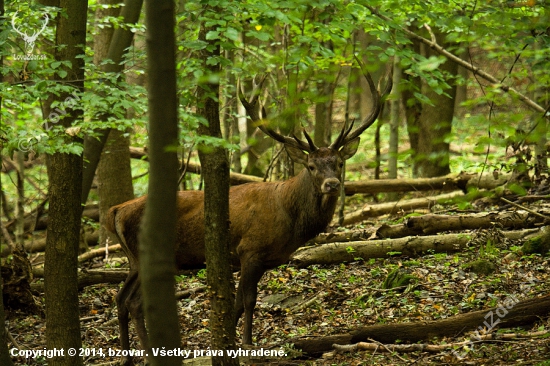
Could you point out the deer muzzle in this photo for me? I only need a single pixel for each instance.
(331, 186)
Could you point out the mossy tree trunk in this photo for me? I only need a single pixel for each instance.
(64, 192)
(215, 165)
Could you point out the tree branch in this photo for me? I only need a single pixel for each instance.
(476, 70)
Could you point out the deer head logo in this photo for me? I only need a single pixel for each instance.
(29, 40)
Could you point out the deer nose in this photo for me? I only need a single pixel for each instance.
(331, 185)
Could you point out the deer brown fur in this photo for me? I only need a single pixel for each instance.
(268, 222)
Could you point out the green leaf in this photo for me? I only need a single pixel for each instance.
(212, 35)
(232, 34)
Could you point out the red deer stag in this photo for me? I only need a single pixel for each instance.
(269, 220)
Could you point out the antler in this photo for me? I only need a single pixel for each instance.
(346, 135)
(252, 111)
(14, 27)
(44, 26)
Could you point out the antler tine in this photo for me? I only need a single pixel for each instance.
(376, 105)
(343, 133)
(45, 23)
(13, 25)
(251, 110)
(310, 141)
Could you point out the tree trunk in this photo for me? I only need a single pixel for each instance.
(436, 122)
(5, 359)
(413, 110)
(158, 232)
(395, 116)
(511, 313)
(215, 163)
(114, 183)
(121, 40)
(65, 192)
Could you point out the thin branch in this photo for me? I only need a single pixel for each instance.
(524, 208)
(476, 70)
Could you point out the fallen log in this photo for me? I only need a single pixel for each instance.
(451, 182)
(41, 223)
(39, 245)
(98, 252)
(411, 246)
(86, 278)
(432, 224)
(513, 313)
(394, 207)
(234, 178)
(377, 347)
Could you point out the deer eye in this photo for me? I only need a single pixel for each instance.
(341, 164)
(311, 168)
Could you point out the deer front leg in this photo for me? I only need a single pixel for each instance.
(251, 273)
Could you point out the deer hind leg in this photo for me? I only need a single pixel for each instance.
(134, 305)
(251, 273)
(123, 312)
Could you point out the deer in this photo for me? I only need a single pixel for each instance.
(268, 220)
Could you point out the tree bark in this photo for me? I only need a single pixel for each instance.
(215, 163)
(157, 239)
(515, 314)
(114, 174)
(65, 192)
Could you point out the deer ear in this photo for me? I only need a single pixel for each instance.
(350, 148)
(297, 155)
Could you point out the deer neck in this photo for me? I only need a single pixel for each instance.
(311, 210)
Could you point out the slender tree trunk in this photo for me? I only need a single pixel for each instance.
(215, 165)
(114, 171)
(121, 40)
(19, 209)
(5, 359)
(158, 233)
(436, 123)
(65, 192)
(395, 115)
(413, 109)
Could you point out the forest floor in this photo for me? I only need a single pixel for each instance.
(322, 300)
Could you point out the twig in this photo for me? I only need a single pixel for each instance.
(386, 348)
(525, 208)
(12, 340)
(307, 303)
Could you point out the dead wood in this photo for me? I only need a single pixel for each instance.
(394, 207)
(451, 182)
(39, 245)
(332, 253)
(32, 223)
(86, 278)
(234, 178)
(432, 224)
(98, 252)
(423, 347)
(112, 276)
(513, 314)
